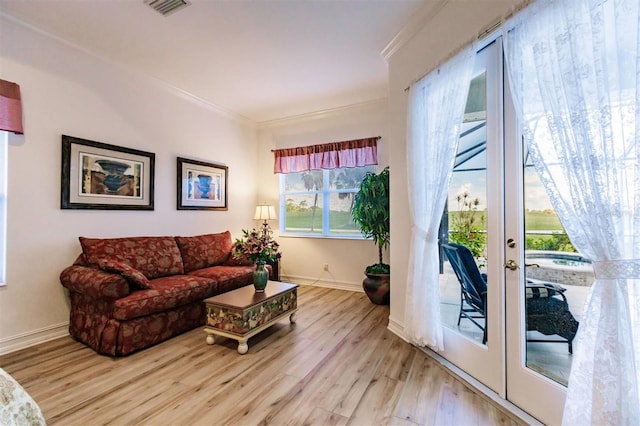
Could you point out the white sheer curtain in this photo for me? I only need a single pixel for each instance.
(574, 69)
(435, 113)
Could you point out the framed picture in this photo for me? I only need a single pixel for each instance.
(100, 176)
(201, 186)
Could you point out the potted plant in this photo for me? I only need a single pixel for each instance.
(259, 248)
(371, 212)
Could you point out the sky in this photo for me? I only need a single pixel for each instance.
(475, 184)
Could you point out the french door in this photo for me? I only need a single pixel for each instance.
(498, 210)
(474, 216)
(531, 385)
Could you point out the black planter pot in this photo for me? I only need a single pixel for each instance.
(377, 288)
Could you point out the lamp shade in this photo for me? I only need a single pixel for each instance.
(265, 212)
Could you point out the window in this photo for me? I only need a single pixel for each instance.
(3, 205)
(10, 121)
(319, 202)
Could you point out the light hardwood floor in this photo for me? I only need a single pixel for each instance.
(337, 365)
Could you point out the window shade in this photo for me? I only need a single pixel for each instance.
(10, 107)
(354, 153)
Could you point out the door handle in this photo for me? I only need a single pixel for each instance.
(511, 264)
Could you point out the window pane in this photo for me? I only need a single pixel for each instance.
(340, 220)
(303, 181)
(348, 178)
(319, 202)
(304, 213)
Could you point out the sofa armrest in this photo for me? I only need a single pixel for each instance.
(94, 282)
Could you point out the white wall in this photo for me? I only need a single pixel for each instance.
(303, 258)
(67, 91)
(454, 25)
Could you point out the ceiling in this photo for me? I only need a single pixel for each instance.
(260, 59)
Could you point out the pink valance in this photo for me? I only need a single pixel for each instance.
(10, 107)
(355, 153)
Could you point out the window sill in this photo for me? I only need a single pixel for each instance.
(324, 237)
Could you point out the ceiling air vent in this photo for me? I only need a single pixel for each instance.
(166, 7)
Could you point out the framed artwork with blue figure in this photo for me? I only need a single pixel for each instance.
(100, 176)
(201, 185)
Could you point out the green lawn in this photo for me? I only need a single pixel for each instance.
(534, 220)
(555, 240)
(339, 222)
(542, 221)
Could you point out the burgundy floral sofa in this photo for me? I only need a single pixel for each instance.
(130, 293)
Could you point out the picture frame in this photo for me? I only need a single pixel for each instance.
(201, 185)
(101, 176)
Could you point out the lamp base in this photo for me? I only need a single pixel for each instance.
(265, 230)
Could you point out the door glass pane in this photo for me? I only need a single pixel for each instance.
(558, 280)
(463, 265)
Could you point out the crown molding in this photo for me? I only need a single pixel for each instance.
(224, 112)
(429, 11)
(320, 114)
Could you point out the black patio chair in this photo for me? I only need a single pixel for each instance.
(547, 310)
(473, 286)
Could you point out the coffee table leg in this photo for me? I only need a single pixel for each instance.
(211, 339)
(243, 347)
(292, 318)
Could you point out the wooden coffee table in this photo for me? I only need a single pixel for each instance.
(242, 313)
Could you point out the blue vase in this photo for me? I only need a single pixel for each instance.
(260, 277)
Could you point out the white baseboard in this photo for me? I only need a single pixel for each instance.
(338, 285)
(34, 337)
(397, 328)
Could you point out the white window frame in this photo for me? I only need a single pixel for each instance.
(326, 193)
(4, 165)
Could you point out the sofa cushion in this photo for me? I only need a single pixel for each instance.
(201, 251)
(135, 277)
(153, 256)
(81, 261)
(227, 277)
(165, 293)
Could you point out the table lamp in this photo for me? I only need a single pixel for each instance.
(265, 212)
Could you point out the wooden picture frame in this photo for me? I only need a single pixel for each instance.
(201, 185)
(100, 176)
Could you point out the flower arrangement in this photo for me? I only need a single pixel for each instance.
(257, 246)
